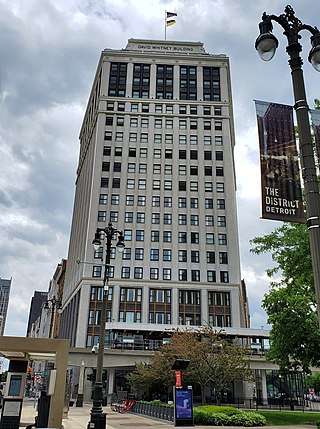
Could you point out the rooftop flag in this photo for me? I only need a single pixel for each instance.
(168, 22)
(171, 14)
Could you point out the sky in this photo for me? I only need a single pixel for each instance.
(49, 50)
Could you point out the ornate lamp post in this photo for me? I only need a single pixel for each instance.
(98, 418)
(266, 45)
(52, 304)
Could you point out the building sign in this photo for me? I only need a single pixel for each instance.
(167, 47)
(280, 175)
(315, 117)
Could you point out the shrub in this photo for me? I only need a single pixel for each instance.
(227, 416)
(229, 411)
(247, 419)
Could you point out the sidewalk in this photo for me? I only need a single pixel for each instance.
(78, 418)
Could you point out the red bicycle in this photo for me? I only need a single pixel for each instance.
(123, 405)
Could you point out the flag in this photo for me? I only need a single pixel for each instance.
(280, 173)
(170, 21)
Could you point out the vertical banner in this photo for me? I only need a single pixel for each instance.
(315, 118)
(280, 175)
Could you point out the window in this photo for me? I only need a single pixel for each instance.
(167, 236)
(182, 154)
(183, 110)
(182, 275)
(194, 220)
(120, 121)
(182, 237)
(208, 203)
(224, 276)
(110, 106)
(115, 199)
(142, 184)
(144, 122)
(158, 123)
(221, 221)
(182, 124)
(168, 169)
(140, 217)
(182, 139)
(155, 218)
(195, 275)
(194, 186)
(154, 273)
(132, 152)
(207, 170)
(193, 139)
(194, 203)
(210, 238)
(168, 185)
(211, 276)
(219, 155)
(118, 151)
(155, 236)
(144, 138)
(207, 140)
(127, 234)
(142, 168)
(167, 218)
(106, 150)
(193, 124)
(98, 254)
(209, 220)
(168, 154)
(156, 168)
(116, 182)
(131, 167)
(167, 201)
(182, 202)
(158, 138)
(169, 123)
(143, 152)
(207, 125)
(157, 153)
(139, 235)
(193, 154)
(195, 237)
(134, 107)
(141, 200)
(193, 170)
(103, 199)
(208, 155)
(220, 187)
(104, 182)
(182, 170)
(182, 219)
(218, 140)
(195, 257)
(156, 184)
(155, 201)
(158, 108)
(106, 166)
(130, 183)
(166, 274)
(211, 258)
(126, 254)
(113, 216)
(208, 186)
(218, 125)
(219, 171)
(129, 200)
(138, 272)
(138, 254)
(154, 255)
(222, 239)
(217, 111)
(125, 272)
(221, 204)
(108, 135)
(223, 257)
(119, 136)
(133, 122)
(182, 185)
(166, 255)
(96, 271)
(182, 255)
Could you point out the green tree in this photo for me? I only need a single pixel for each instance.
(212, 359)
(290, 302)
(312, 381)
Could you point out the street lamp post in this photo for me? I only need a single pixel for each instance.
(53, 304)
(97, 417)
(266, 45)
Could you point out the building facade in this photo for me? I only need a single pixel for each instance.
(5, 287)
(156, 159)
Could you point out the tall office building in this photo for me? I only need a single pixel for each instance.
(5, 287)
(156, 160)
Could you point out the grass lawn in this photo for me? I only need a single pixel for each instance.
(277, 418)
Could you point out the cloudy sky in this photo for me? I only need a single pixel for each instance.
(49, 50)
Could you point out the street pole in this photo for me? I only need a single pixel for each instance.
(266, 44)
(97, 417)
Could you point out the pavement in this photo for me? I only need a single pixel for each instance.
(78, 417)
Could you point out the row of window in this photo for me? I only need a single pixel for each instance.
(181, 109)
(140, 217)
(155, 255)
(156, 202)
(192, 124)
(166, 274)
(167, 184)
(158, 138)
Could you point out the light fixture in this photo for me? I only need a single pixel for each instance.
(266, 44)
(314, 55)
(97, 240)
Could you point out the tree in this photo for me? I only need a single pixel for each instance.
(312, 381)
(212, 359)
(290, 303)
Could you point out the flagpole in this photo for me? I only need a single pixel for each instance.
(165, 25)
